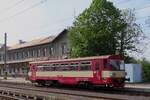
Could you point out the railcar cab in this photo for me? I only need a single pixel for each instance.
(113, 73)
(32, 72)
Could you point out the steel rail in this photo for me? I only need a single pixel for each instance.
(88, 95)
(9, 97)
(18, 95)
(65, 93)
(127, 91)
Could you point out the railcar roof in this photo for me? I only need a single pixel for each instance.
(77, 59)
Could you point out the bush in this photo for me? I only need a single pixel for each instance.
(145, 70)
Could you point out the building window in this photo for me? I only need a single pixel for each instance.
(31, 53)
(10, 71)
(13, 56)
(23, 55)
(10, 56)
(47, 51)
(39, 52)
(35, 52)
(28, 54)
(44, 52)
(64, 48)
(51, 51)
(0, 58)
(17, 55)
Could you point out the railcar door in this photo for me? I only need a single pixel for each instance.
(97, 69)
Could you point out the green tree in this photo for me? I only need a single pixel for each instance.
(94, 31)
(102, 29)
(145, 70)
(131, 35)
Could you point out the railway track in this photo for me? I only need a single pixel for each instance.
(66, 93)
(19, 93)
(127, 91)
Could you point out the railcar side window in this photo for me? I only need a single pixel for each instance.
(85, 66)
(47, 68)
(44, 67)
(57, 67)
(64, 67)
(40, 68)
(74, 66)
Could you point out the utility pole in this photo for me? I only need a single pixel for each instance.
(5, 55)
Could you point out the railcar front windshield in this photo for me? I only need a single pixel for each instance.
(117, 64)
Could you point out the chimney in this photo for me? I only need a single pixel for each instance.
(21, 41)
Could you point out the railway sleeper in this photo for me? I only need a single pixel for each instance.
(22, 96)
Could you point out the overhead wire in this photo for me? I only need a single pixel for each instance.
(34, 5)
(43, 1)
(144, 27)
(137, 10)
(12, 6)
(23, 11)
(126, 1)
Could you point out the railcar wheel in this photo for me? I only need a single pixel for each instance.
(88, 85)
(41, 82)
(109, 86)
(56, 83)
(49, 83)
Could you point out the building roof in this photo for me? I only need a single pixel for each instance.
(27, 60)
(36, 42)
(32, 43)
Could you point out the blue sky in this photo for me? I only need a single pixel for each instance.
(31, 19)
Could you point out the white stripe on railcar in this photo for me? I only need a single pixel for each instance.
(65, 73)
(114, 74)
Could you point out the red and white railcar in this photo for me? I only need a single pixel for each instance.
(98, 70)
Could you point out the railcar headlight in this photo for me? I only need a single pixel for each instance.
(29, 73)
(110, 74)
